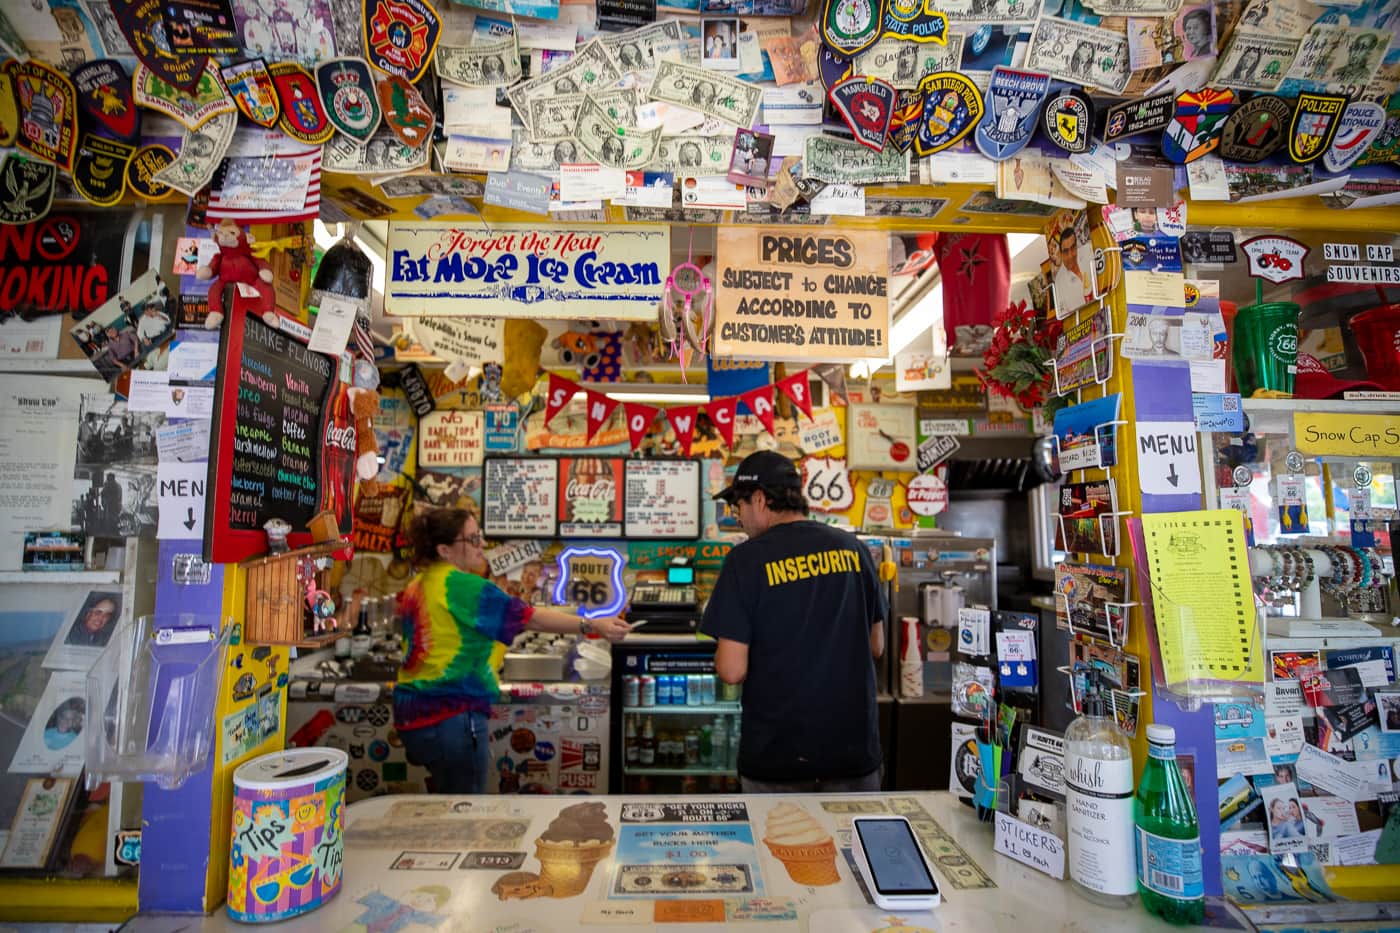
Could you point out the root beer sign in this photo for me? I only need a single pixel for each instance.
(791, 294)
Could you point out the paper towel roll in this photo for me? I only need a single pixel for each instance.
(287, 846)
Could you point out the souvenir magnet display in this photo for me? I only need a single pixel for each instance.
(48, 111)
(1136, 117)
(406, 114)
(952, 107)
(1316, 119)
(250, 85)
(348, 95)
(1196, 125)
(303, 117)
(849, 26)
(1362, 122)
(400, 36)
(1256, 130)
(1068, 120)
(99, 169)
(1013, 105)
(104, 99)
(866, 104)
(26, 189)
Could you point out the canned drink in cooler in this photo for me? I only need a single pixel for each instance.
(631, 690)
(648, 690)
(678, 690)
(693, 690)
(707, 690)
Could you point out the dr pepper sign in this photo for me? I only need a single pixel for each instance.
(802, 295)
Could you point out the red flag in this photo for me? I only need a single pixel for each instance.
(683, 423)
(796, 388)
(639, 419)
(721, 412)
(976, 270)
(760, 402)
(560, 391)
(599, 409)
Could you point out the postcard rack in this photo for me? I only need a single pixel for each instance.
(1117, 696)
(1103, 535)
(1121, 628)
(1103, 432)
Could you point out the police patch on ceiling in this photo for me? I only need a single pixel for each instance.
(850, 26)
(1196, 125)
(401, 35)
(1013, 104)
(866, 104)
(952, 107)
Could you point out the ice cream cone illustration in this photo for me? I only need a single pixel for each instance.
(798, 841)
(573, 844)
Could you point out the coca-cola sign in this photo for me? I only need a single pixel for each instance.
(590, 497)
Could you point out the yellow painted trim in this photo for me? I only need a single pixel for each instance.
(67, 900)
(1364, 882)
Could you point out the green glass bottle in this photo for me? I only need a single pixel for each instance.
(1168, 836)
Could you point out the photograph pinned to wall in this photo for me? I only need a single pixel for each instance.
(1388, 709)
(750, 158)
(114, 502)
(125, 329)
(52, 741)
(108, 433)
(1284, 814)
(1071, 251)
(78, 643)
(719, 44)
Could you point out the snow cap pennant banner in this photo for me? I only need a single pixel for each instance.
(721, 412)
(599, 409)
(796, 388)
(558, 395)
(682, 421)
(639, 421)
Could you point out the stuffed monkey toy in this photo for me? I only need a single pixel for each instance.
(236, 265)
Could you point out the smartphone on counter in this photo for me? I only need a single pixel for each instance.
(893, 865)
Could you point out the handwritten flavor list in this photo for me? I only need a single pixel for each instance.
(519, 497)
(662, 499)
(282, 390)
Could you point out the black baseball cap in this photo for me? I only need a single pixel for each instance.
(766, 470)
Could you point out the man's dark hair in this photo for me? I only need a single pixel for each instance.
(787, 499)
(1067, 232)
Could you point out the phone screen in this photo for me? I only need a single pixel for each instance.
(894, 858)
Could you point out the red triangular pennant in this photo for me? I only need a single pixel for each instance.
(683, 423)
(796, 388)
(599, 409)
(560, 391)
(721, 412)
(760, 403)
(639, 419)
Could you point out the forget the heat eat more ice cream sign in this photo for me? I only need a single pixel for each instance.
(794, 294)
(519, 270)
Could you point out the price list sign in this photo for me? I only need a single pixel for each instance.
(518, 495)
(285, 448)
(662, 499)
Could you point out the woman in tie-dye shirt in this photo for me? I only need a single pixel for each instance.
(452, 618)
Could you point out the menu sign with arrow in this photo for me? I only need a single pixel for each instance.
(1167, 459)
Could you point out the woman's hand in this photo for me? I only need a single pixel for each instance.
(610, 627)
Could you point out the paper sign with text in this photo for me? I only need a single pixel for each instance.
(180, 490)
(794, 294)
(1167, 460)
(1029, 845)
(451, 439)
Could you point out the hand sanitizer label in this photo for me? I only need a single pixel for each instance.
(1099, 797)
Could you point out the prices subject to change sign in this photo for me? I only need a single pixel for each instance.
(802, 294)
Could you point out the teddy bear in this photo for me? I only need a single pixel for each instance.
(236, 265)
(364, 405)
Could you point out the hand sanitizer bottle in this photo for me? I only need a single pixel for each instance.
(1099, 800)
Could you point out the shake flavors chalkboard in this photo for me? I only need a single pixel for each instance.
(284, 442)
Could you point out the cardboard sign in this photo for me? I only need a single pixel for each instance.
(519, 270)
(451, 439)
(472, 341)
(1029, 845)
(795, 294)
(180, 488)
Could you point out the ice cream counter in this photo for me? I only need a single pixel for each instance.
(729, 863)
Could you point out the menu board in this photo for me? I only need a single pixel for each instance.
(591, 497)
(284, 446)
(662, 499)
(518, 495)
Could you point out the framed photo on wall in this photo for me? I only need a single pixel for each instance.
(881, 437)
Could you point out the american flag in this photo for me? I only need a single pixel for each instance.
(280, 188)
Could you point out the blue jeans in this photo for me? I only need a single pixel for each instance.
(456, 752)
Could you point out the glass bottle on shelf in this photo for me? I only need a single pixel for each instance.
(692, 748)
(707, 745)
(732, 763)
(646, 749)
(719, 740)
(631, 751)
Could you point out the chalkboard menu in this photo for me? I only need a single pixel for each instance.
(518, 497)
(662, 499)
(284, 444)
(591, 497)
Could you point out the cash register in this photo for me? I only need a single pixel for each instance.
(672, 607)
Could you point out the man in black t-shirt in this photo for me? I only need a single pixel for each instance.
(799, 616)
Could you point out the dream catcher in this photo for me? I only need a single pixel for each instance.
(687, 311)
